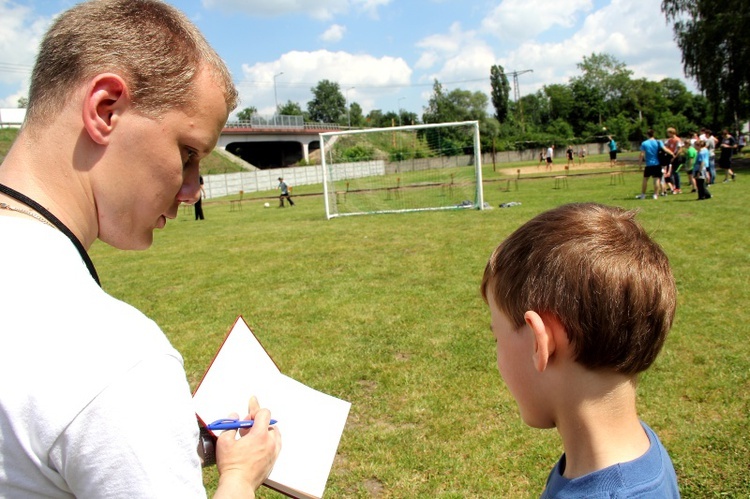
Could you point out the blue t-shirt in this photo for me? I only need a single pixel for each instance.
(612, 145)
(651, 148)
(651, 475)
(701, 162)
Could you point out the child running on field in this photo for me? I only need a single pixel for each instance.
(581, 300)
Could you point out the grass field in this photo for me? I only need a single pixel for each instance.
(384, 311)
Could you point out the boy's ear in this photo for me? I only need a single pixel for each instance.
(546, 329)
(105, 97)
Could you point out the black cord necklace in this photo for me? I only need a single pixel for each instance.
(57, 223)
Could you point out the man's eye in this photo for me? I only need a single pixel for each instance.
(191, 156)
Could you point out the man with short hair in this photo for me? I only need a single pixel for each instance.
(650, 153)
(126, 98)
(710, 142)
(284, 193)
(728, 146)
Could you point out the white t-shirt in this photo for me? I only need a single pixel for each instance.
(93, 398)
(711, 146)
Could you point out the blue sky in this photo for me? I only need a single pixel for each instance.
(385, 54)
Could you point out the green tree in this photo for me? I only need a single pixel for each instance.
(458, 105)
(374, 118)
(23, 102)
(560, 101)
(408, 117)
(500, 92)
(587, 106)
(247, 113)
(328, 104)
(608, 80)
(436, 106)
(676, 94)
(356, 116)
(713, 38)
(291, 109)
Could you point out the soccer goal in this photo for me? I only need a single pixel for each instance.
(402, 169)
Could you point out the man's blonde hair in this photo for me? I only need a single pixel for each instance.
(152, 45)
(597, 271)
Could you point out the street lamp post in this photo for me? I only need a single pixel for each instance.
(275, 97)
(348, 107)
(399, 109)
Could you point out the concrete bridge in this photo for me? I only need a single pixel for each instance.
(273, 142)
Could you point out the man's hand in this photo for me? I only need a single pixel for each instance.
(244, 463)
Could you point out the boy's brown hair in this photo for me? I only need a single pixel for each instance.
(597, 271)
(152, 45)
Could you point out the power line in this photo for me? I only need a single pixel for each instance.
(361, 86)
(8, 67)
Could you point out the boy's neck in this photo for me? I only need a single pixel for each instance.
(601, 431)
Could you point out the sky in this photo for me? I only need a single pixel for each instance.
(386, 54)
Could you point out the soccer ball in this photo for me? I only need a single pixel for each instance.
(267, 205)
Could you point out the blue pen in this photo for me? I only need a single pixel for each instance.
(232, 424)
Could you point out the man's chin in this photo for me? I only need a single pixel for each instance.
(132, 243)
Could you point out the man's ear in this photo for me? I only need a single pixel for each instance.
(545, 341)
(106, 96)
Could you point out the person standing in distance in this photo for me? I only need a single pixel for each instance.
(728, 146)
(126, 98)
(199, 202)
(612, 151)
(650, 153)
(284, 193)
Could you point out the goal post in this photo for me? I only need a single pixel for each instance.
(402, 169)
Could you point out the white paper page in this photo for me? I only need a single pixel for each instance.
(241, 369)
(310, 422)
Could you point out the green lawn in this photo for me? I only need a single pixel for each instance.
(384, 311)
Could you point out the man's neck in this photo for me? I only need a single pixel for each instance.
(41, 170)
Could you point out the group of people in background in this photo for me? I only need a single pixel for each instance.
(570, 154)
(695, 155)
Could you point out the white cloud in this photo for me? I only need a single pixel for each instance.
(619, 29)
(333, 34)
(525, 19)
(371, 6)
(318, 9)
(20, 33)
(363, 77)
(438, 47)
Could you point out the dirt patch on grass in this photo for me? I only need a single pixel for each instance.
(557, 167)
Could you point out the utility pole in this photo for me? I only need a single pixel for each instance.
(517, 93)
(275, 97)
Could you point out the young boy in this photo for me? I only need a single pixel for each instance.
(581, 301)
(700, 171)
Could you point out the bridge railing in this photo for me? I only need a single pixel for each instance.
(281, 122)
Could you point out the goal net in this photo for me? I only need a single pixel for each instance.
(402, 169)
